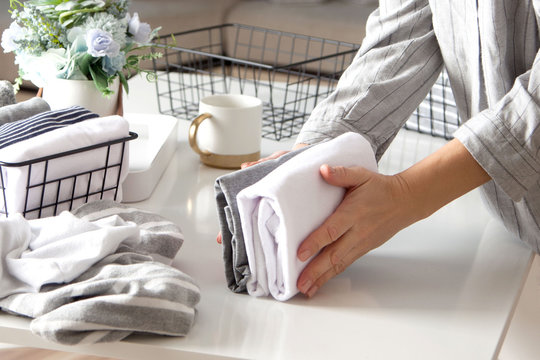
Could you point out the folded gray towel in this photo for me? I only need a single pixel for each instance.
(23, 110)
(7, 93)
(132, 290)
(226, 188)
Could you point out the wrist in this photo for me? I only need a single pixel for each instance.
(443, 176)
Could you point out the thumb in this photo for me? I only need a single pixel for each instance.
(344, 176)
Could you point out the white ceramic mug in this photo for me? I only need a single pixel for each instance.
(227, 132)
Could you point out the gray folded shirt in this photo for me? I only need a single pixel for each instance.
(226, 188)
(23, 110)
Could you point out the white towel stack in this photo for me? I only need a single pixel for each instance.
(281, 210)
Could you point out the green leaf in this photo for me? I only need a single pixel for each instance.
(100, 79)
(84, 63)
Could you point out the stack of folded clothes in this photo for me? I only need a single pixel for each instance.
(29, 131)
(267, 210)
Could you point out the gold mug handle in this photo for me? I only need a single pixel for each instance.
(193, 128)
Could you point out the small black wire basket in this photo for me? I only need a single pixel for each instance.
(289, 72)
(50, 187)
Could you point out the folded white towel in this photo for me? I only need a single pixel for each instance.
(67, 176)
(56, 249)
(281, 210)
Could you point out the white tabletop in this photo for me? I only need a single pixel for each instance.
(443, 288)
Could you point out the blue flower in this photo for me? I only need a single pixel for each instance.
(100, 43)
(112, 65)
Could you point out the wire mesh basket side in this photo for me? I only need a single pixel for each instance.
(290, 73)
(49, 186)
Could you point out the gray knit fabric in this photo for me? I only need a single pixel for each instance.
(7, 93)
(226, 188)
(132, 290)
(23, 110)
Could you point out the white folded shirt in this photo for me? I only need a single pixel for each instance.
(75, 136)
(282, 209)
(56, 249)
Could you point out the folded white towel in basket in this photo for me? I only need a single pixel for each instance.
(67, 177)
(282, 209)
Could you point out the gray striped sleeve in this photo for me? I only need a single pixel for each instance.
(395, 68)
(505, 139)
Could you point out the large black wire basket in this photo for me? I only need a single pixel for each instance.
(47, 190)
(289, 72)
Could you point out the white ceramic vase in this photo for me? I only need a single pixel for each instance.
(62, 93)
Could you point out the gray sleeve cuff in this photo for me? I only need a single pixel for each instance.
(509, 161)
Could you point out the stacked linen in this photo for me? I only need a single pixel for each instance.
(52, 185)
(112, 275)
(280, 211)
(277, 212)
(226, 189)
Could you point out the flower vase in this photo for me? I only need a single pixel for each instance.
(63, 93)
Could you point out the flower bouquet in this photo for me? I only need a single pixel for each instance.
(78, 40)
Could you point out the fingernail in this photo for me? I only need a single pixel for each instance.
(312, 291)
(304, 255)
(331, 169)
(304, 286)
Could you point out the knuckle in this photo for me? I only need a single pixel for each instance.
(340, 171)
(338, 265)
(332, 233)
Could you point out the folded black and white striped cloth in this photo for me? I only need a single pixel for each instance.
(21, 130)
(132, 290)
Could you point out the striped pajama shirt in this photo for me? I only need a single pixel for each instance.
(489, 49)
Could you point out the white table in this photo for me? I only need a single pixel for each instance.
(444, 288)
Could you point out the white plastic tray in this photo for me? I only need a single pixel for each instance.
(149, 154)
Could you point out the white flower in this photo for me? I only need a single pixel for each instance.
(10, 36)
(100, 43)
(141, 31)
(38, 69)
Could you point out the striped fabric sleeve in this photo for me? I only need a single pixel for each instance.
(21, 130)
(395, 68)
(505, 139)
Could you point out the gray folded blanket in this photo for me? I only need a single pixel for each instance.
(23, 110)
(132, 290)
(226, 188)
(7, 93)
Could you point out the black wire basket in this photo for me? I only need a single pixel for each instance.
(289, 72)
(48, 191)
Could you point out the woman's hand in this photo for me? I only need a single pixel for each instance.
(375, 207)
